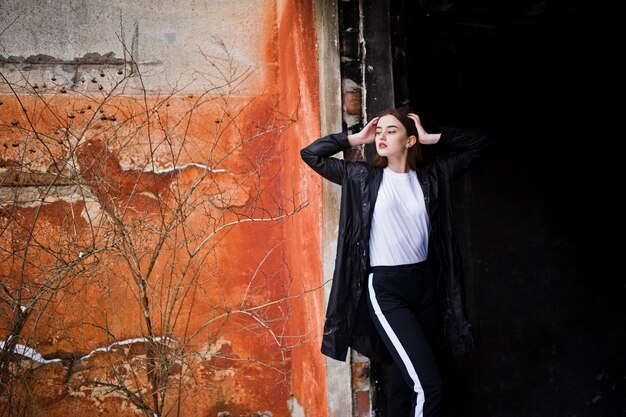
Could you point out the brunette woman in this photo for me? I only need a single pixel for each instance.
(398, 271)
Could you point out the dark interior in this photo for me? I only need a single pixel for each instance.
(539, 216)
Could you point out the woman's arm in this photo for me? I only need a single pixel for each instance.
(366, 135)
(424, 137)
(456, 148)
(318, 155)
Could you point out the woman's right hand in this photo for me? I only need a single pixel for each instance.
(366, 135)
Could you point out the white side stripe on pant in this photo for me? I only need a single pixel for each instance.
(417, 387)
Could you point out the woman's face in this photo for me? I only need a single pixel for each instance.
(391, 137)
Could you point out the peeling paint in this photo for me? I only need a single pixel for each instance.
(35, 356)
(108, 348)
(33, 196)
(294, 406)
(183, 167)
(30, 353)
(89, 59)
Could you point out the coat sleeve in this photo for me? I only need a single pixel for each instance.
(318, 155)
(458, 148)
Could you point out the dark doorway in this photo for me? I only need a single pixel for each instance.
(542, 229)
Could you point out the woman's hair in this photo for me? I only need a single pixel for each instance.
(414, 159)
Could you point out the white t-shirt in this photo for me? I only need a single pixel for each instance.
(400, 223)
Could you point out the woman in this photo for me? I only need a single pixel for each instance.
(398, 269)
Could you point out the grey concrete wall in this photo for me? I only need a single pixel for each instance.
(178, 45)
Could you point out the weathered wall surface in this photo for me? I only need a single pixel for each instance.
(153, 222)
(297, 56)
(174, 43)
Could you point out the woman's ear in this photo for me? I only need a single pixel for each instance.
(412, 141)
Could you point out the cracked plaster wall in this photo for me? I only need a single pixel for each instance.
(62, 53)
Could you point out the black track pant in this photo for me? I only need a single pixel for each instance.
(403, 306)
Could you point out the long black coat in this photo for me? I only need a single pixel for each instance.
(348, 323)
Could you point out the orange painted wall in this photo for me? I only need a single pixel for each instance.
(299, 87)
(231, 361)
(242, 267)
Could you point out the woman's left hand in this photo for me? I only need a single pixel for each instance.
(423, 137)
